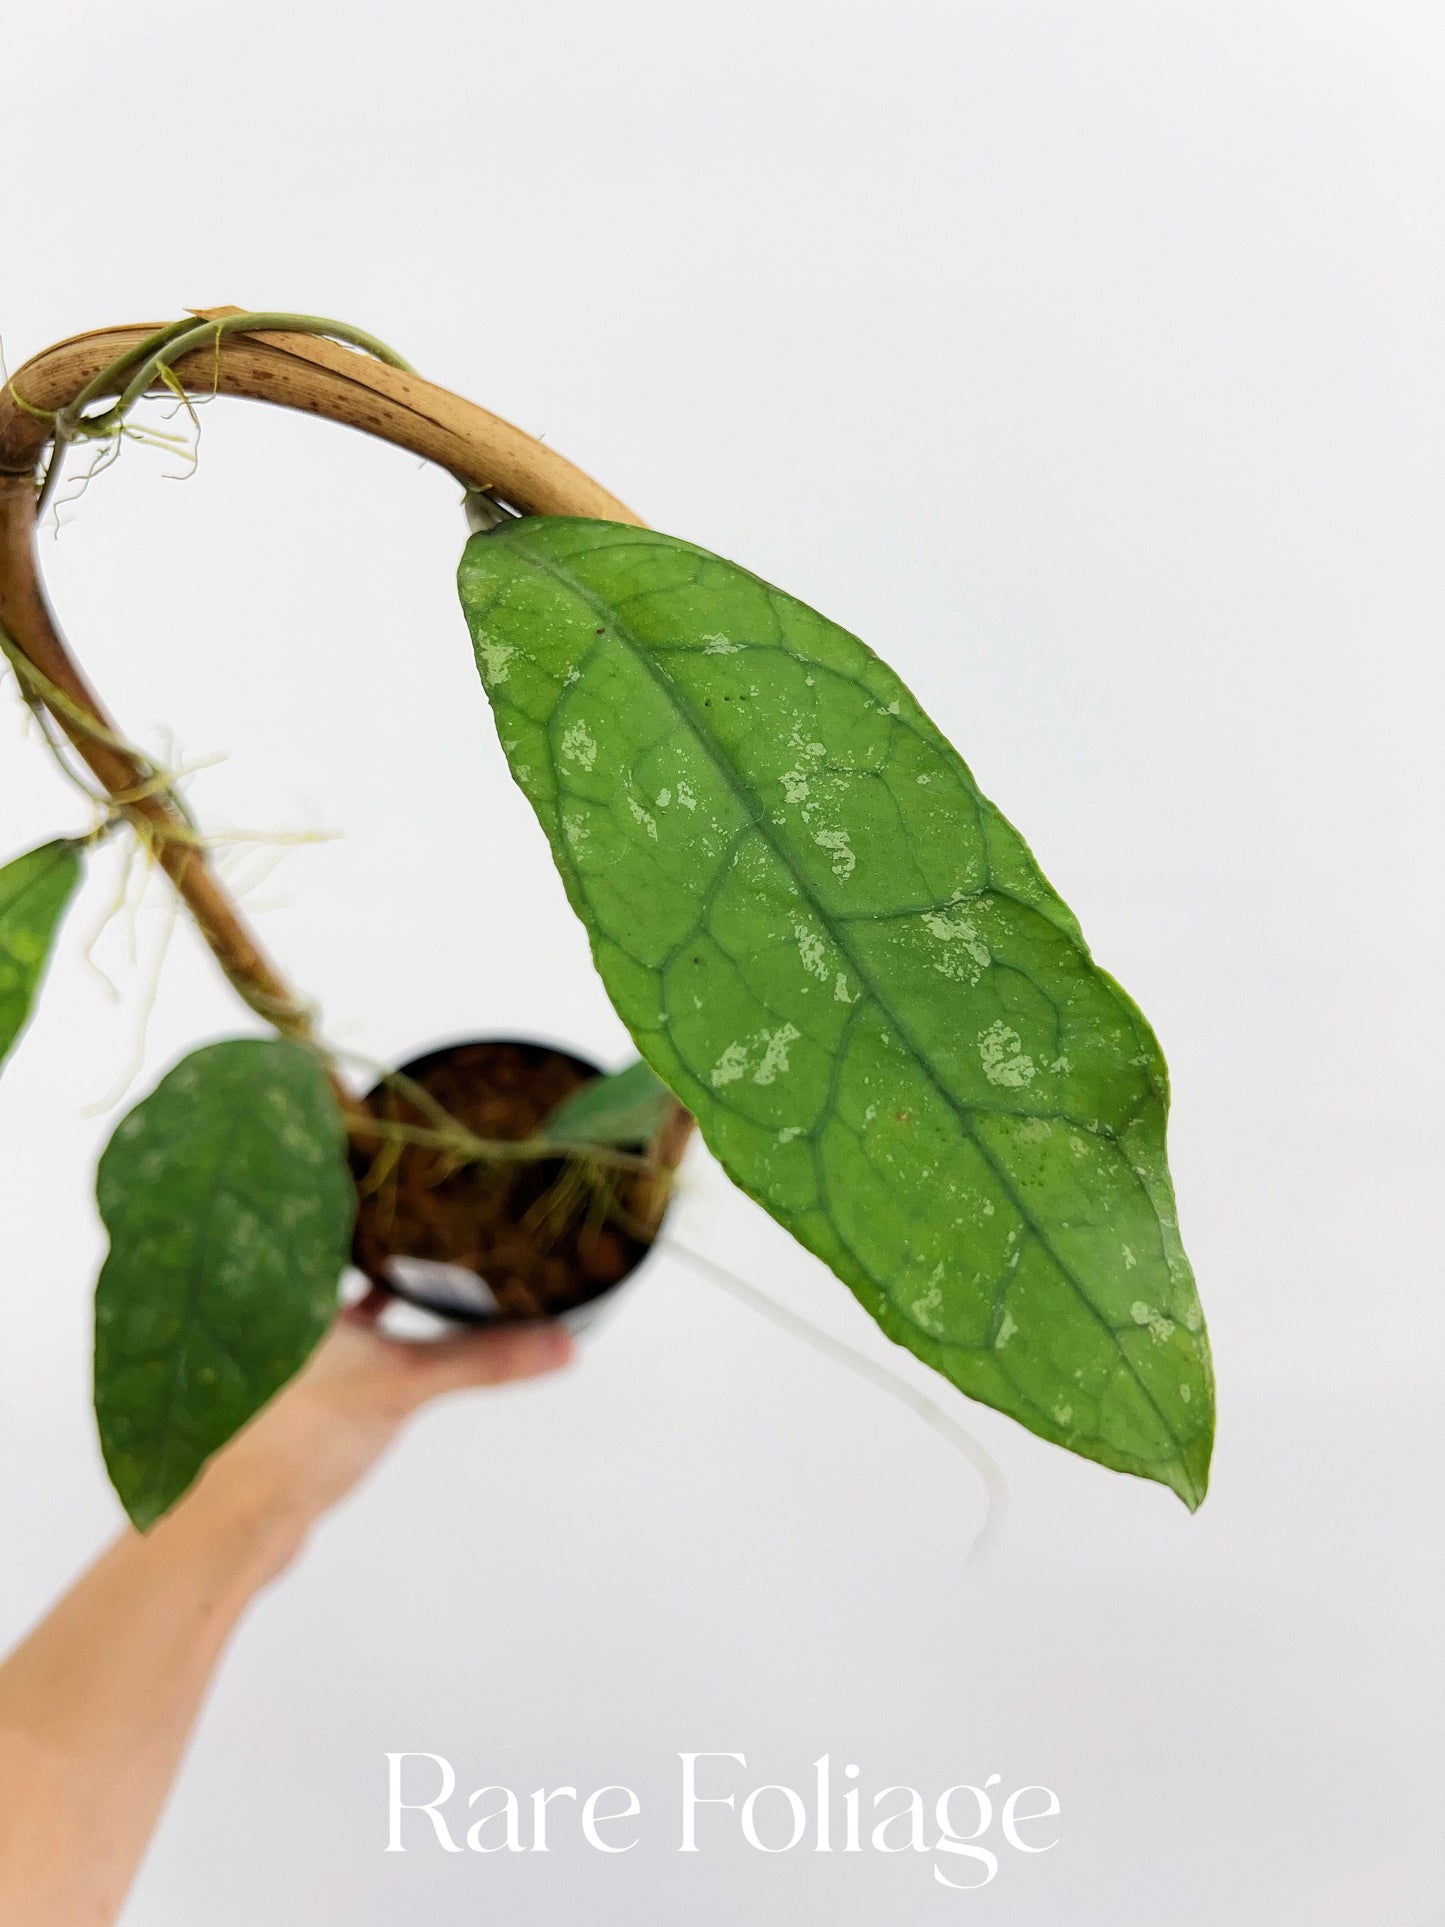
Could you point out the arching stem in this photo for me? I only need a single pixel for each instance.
(159, 352)
(303, 366)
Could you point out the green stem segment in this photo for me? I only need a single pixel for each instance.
(141, 364)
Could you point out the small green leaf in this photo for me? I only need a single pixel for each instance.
(850, 969)
(626, 1107)
(229, 1207)
(34, 891)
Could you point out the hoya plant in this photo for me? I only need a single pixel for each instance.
(832, 953)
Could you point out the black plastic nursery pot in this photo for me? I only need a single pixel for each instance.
(484, 1241)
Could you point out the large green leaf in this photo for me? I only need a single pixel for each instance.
(229, 1207)
(849, 967)
(34, 891)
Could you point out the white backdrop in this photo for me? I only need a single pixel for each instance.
(1086, 359)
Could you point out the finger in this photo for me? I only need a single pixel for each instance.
(494, 1357)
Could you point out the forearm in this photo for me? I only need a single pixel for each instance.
(97, 1705)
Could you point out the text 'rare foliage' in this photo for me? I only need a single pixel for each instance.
(848, 966)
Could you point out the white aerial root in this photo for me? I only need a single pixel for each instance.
(995, 1489)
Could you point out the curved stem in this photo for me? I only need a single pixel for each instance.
(29, 625)
(196, 334)
(160, 351)
(320, 378)
(246, 356)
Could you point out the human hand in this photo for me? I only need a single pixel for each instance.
(323, 1431)
(96, 1704)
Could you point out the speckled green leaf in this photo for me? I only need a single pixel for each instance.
(34, 891)
(229, 1208)
(625, 1107)
(849, 967)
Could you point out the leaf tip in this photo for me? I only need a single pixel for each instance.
(1188, 1475)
